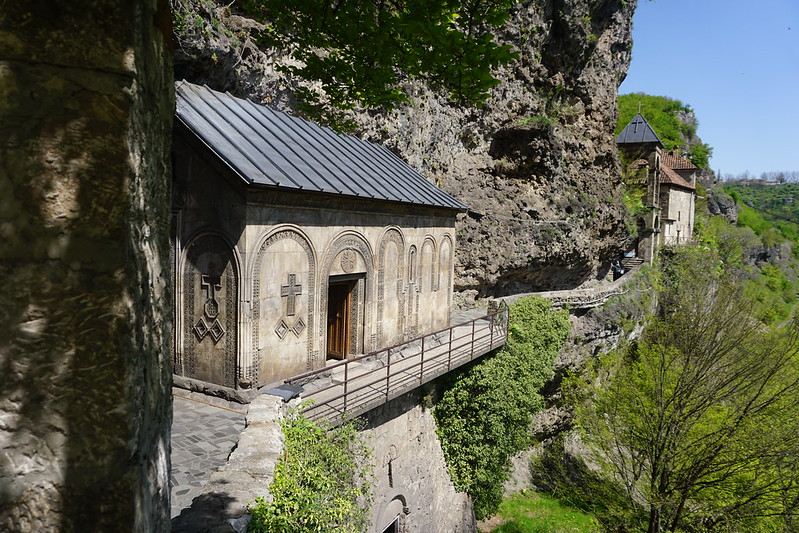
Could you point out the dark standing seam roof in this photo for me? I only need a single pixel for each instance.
(637, 131)
(267, 147)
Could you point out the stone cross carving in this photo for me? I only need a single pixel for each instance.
(348, 260)
(291, 291)
(211, 284)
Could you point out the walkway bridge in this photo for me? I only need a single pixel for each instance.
(351, 387)
(586, 298)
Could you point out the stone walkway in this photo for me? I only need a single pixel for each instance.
(203, 435)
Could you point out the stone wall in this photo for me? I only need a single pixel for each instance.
(412, 483)
(85, 410)
(677, 216)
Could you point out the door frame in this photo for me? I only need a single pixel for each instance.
(354, 314)
(343, 307)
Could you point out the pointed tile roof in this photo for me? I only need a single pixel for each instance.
(675, 162)
(269, 148)
(670, 177)
(638, 131)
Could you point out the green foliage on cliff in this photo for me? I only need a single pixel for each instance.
(322, 482)
(699, 154)
(662, 113)
(360, 51)
(771, 285)
(484, 418)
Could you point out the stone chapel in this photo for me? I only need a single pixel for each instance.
(294, 245)
(670, 182)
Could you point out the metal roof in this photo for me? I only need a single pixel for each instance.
(268, 147)
(637, 131)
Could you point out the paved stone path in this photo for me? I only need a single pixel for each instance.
(203, 436)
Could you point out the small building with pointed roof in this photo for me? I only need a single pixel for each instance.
(294, 245)
(638, 132)
(670, 183)
(641, 151)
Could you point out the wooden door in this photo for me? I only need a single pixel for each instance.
(339, 298)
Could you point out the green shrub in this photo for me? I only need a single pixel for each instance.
(484, 417)
(752, 219)
(322, 482)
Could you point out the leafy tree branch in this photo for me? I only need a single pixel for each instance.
(360, 51)
(702, 412)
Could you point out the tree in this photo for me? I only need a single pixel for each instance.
(359, 51)
(702, 413)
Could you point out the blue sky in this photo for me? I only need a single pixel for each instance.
(736, 63)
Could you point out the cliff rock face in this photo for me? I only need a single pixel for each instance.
(537, 163)
(721, 204)
(85, 317)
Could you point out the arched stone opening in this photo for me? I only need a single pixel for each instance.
(284, 313)
(346, 297)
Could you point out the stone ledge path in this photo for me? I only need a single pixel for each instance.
(203, 435)
(221, 504)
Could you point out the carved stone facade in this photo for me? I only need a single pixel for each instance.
(273, 283)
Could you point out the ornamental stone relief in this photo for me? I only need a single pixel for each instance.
(390, 290)
(209, 313)
(348, 260)
(292, 320)
(212, 285)
(290, 292)
(445, 260)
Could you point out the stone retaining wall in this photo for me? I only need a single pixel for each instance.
(222, 508)
(412, 483)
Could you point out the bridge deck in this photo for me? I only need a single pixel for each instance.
(353, 386)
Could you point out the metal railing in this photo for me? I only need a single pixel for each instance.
(351, 387)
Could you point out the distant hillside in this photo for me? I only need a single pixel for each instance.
(673, 121)
(768, 206)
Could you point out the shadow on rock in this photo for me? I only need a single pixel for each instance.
(212, 512)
